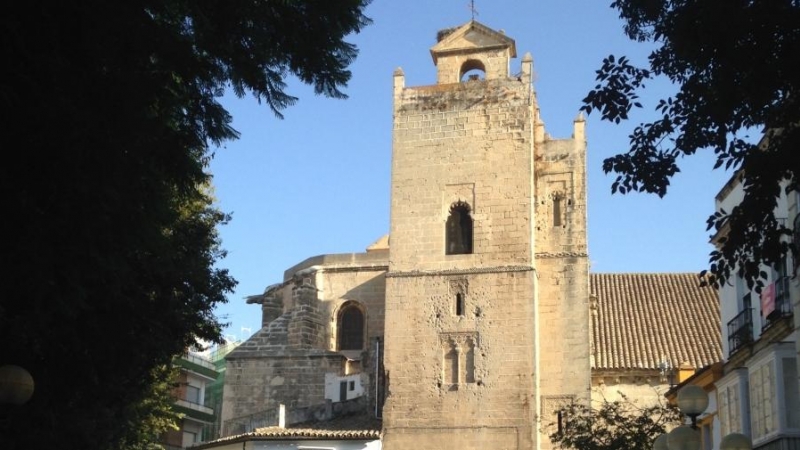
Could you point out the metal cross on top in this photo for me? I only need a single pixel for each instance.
(472, 9)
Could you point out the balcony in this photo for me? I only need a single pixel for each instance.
(194, 411)
(740, 331)
(199, 360)
(782, 306)
(171, 447)
(198, 365)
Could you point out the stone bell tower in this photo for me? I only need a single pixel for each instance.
(480, 344)
(471, 360)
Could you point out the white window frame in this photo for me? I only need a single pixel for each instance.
(190, 388)
(776, 356)
(733, 416)
(189, 438)
(763, 411)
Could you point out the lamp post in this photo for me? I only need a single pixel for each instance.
(693, 401)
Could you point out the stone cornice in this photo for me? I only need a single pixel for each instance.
(545, 255)
(470, 271)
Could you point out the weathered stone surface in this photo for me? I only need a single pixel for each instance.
(285, 362)
(484, 375)
(481, 347)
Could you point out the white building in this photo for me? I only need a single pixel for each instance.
(759, 392)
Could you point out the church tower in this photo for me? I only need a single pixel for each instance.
(487, 320)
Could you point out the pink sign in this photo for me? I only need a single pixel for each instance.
(768, 300)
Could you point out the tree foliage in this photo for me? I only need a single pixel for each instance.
(618, 425)
(736, 67)
(111, 249)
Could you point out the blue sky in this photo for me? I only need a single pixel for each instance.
(318, 181)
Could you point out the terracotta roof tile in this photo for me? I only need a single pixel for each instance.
(290, 433)
(640, 319)
(351, 426)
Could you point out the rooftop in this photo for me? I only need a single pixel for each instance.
(359, 426)
(640, 320)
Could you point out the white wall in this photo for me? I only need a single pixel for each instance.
(733, 291)
(332, 386)
(200, 383)
(314, 445)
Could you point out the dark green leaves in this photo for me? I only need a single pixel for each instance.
(615, 93)
(737, 78)
(111, 252)
(618, 425)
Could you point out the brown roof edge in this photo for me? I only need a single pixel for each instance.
(705, 378)
(292, 434)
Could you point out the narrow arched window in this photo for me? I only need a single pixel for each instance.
(558, 200)
(459, 229)
(450, 364)
(350, 328)
(469, 362)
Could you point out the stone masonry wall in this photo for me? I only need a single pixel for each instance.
(472, 142)
(254, 385)
(642, 387)
(461, 381)
(491, 399)
(563, 266)
(365, 287)
(285, 362)
(307, 328)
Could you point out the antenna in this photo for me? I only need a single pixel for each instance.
(665, 367)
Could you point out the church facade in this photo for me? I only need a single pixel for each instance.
(475, 319)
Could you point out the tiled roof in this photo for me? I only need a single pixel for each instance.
(361, 426)
(313, 433)
(641, 319)
(348, 426)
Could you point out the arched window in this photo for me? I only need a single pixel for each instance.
(469, 362)
(472, 69)
(459, 229)
(460, 304)
(350, 328)
(458, 362)
(450, 364)
(558, 202)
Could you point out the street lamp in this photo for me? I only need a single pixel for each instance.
(693, 401)
(684, 437)
(661, 442)
(736, 441)
(16, 385)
